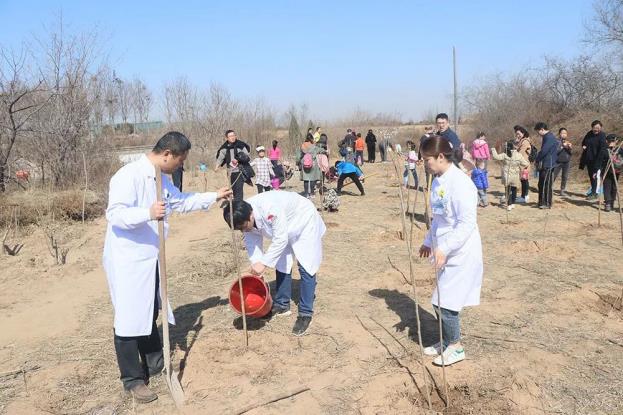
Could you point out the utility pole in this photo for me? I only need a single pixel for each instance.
(456, 119)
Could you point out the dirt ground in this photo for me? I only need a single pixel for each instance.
(547, 338)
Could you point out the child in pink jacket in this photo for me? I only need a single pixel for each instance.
(480, 148)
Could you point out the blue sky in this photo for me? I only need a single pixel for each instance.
(391, 56)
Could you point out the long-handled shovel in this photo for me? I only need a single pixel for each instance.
(171, 376)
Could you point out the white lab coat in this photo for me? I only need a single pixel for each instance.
(454, 201)
(132, 245)
(294, 227)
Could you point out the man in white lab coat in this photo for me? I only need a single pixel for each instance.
(131, 256)
(295, 228)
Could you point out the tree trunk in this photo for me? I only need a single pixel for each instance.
(2, 173)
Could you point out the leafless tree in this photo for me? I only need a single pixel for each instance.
(606, 26)
(20, 101)
(141, 100)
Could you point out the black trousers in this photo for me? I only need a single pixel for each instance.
(237, 185)
(262, 189)
(371, 154)
(610, 190)
(591, 172)
(141, 356)
(512, 194)
(525, 187)
(353, 177)
(546, 187)
(564, 169)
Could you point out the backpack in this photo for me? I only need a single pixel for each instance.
(323, 162)
(533, 152)
(331, 200)
(308, 161)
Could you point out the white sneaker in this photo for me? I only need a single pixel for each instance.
(433, 350)
(451, 355)
(526, 199)
(510, 207)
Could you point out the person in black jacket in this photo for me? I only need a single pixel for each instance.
(546, 162)
(593, 150)
(233, 154)
(563, 160)
(371, 144)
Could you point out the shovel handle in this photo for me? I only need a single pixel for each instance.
(162, 262)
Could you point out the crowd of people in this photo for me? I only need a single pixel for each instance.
(457, 180)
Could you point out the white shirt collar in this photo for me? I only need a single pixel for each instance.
(146, 167)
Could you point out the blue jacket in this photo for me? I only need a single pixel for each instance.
(480, 179)
(548, 155)
(344, 167)
(451, 137)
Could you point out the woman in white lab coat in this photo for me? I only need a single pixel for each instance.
(295, 228)
(454, 245)
(131, 255)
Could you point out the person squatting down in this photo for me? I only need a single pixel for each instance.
(131, 256)
(295, 229)
(454, 246)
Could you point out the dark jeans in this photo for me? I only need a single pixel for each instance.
(450, 325)
(307, 290)
(564, 168)
(610, 189)
(545, 187)
(591, 172)
(141, 356)
(405, 177)
(237, 185)
(371, 154)
(525, 187)
(262, 189)
(512, 194)
(310, 187)
(353, 177)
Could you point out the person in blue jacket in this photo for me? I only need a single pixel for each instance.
(481, 181)
(346, 169)
(546, 162)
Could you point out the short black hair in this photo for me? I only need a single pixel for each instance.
(611, 137)
(561, 130)
(480, 134)
(540, 126)
(442, 115)
(242, 212)
(228, 131)
(594, 123)
(176, 142)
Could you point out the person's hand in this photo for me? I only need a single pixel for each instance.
(440, 258)
(157, 211)
(425, 251)
(258, 268)
(223, 193)
(362, 178)
(584, 147)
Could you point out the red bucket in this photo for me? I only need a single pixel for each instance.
(256, 294)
